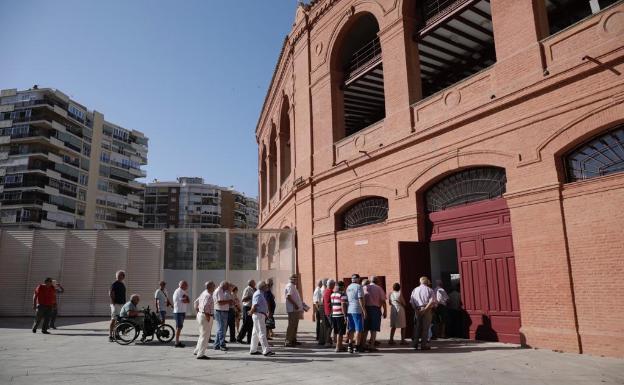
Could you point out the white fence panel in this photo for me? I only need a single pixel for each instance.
(45, 261)
(143, 272)
(15, 249)
(78, 273)
(111, 255)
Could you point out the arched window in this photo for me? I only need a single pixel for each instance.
(365, 212)
(467, 186)
(263, 177)
(359, 86)
(602, 155)
(272, 164)
(284, 134)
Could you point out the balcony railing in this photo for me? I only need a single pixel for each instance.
(363, 59)
(435, 10)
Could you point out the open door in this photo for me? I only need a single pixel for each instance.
(414, 262)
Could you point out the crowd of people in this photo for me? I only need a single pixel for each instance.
(348, 317)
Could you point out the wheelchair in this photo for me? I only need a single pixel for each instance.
(128, 329)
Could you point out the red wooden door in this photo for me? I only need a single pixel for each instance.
(489, 286)
(414, 262)
(503, 305)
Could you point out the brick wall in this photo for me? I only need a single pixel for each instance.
(539, 99)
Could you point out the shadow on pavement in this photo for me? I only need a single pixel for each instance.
(26, 322)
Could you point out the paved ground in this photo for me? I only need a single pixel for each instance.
(79, 353)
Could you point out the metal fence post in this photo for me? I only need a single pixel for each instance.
(194, 276)
(227, 254)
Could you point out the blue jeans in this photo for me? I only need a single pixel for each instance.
(221, 318)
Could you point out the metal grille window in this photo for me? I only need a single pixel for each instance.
(366, 212)
(603, 155)
(466, 186)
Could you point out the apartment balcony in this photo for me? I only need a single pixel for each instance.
(51, 191)
(50, 207)
(46, 224)
(53, 174)
(4, 155)
(135, 185)
(54, 158)
(132, 224)
(60, 110)
(132, 210)
(134, 198)
(6, 139)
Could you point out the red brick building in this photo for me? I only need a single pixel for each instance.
(479, 142)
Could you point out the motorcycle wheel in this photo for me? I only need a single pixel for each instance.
(165, 333)
(125, 333)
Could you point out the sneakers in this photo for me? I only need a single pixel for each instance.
(269, 354)
(110, 339)
(256, 353)
(223, 349)
(203, 358)
(179, 345)
(35, 331)
(350, 348)
(45, 332)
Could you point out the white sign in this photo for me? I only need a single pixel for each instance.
(361, 242)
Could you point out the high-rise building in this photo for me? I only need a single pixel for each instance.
(64, 166)
(191, 203)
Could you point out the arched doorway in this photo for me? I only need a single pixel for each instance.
(469, 248)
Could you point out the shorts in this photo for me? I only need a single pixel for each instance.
(179, 319)
(373, 318)
(115, 309)
(339, 325)
(355, 322)
(163, 313)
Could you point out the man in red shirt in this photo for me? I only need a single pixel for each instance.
(328, 311)
(44, 301)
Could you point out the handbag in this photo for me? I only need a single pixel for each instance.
(270, 323)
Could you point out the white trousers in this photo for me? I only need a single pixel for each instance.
(259, 334)
(205, 327)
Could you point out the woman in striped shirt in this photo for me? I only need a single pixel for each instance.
(339, 314)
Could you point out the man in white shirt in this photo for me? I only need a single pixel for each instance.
(180, 302)
(222, 299)
(294, 307)
(317, 298)
(423, 301)
(247, 327)
(161, 297)
(205, 310)
(441, 310)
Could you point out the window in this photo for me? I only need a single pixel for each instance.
(360, 88)
(76, 113)
(102, 185)
(84, 179)
(13, 179)
(455, 41)
(82, 195)
(600, 156)
(472, 185)
(365, 212)
(564, 13)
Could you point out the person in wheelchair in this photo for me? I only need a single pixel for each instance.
(130, 312)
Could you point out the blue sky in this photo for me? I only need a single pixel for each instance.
(190, 74)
